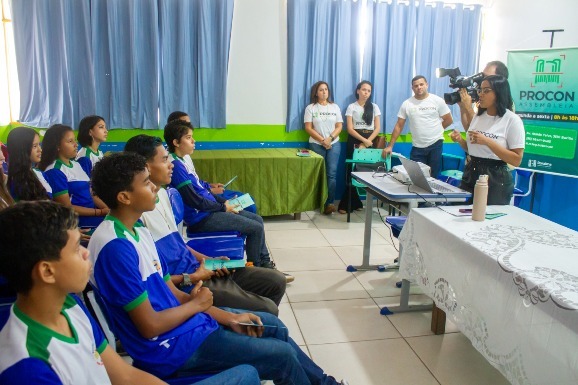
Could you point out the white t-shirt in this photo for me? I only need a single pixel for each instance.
(324, 119)
(508, 131)
(356, 112)
(424, 117)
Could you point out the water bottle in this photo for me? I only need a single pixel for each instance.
(480, 199)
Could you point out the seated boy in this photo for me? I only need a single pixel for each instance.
(251, 288)
(165, 330)
(49, 337)
(216, 188)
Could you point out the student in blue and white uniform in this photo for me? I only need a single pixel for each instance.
(91, 133)
(69, 182)
(24, 181)
(323, 122)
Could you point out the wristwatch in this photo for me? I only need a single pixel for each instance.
(331, 136)
(186, 280)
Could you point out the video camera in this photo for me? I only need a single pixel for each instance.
(457, 80)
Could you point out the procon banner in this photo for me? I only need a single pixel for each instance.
(545, 89)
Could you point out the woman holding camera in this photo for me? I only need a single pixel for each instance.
(496, 138)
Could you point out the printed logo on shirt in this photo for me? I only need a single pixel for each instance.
(489, 135)
(427, 108)
(97, 357)
(157, 265)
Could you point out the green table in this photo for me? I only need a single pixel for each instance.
(279, 181)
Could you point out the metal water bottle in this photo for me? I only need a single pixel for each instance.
(480, 199)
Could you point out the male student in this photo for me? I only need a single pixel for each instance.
(428, 116)
(165, 330)
(49, 337)
(216, 188)
(251, 288)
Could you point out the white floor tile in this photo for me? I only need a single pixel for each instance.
(324, 285)
(454, 361)
(351, 237)
(284, 299)
(337, 221)
(382, 284)
(307, 259)
(286, 222)
(380, 362)
(286, 315)
(342, 321)
(295, 238)
(379, 254)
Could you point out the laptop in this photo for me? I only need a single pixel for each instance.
(418, 178)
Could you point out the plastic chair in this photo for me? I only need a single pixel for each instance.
(178, 207)
(448, 175)
(523, 180)
(366, 156)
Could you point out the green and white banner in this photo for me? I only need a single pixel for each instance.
(544, 86)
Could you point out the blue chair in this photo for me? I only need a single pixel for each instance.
(523, 180)
(451, 176)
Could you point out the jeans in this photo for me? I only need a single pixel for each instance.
(430, 155)
(239, 375)
(275, 355)
(248, 224)
(230, 194)
(331, 157)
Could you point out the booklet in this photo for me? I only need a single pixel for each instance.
(214, 264)
(243, 201)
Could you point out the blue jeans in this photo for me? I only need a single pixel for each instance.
(230, 194)
(239, 375)
(275, 355)
(331, 157)
(248, 224)
(430, 155)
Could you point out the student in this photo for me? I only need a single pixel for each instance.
(216, 188)
(24, 181)
(362, 128)
(323, 123)
(5, 198)
(205, 212)
(164, 329)
(251, 288)
(70, 183)
(50, 337)
(91, 133)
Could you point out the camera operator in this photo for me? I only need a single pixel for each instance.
(466, 109)
(428, 116)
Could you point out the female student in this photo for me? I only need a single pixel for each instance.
(323, 123)
(496, 137)
(91, 133)
(5, 198)
(24, 181)
(363, 127)
(70, 183)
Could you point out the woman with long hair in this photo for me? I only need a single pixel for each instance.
(323, 123)
(92, 132)
(70, 183)
(25, 182)
(496, 138)
(363, 126)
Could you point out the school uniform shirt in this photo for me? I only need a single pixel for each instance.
(128, 271)
(424, 118)
(508, 131)
(356, 112)
(74, 181)
(324, 119)
(40, 175)
(88, 158)
(33, 353)
(169, 242)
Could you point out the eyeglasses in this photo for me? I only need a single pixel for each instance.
(484, 91)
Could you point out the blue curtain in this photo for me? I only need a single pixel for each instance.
(323, 44)
(447, 38)
(53, 57)
(389, 59)
(126, 56)
(195, 38)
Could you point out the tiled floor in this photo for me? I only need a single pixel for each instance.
(334, 315)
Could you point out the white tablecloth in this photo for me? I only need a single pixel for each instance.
(510, 284)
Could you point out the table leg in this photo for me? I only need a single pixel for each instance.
(404, 305)
(296, 216)
(438, 320)
(367, 238)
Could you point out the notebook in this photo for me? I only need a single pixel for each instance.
(418, 178)
(243, 201)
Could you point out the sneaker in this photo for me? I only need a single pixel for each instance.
(288, 277)
(344, 382)
(271, 265)
(330, 208)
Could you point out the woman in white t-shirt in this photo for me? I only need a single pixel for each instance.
(362, 128)
(496, 137)
(323, 123)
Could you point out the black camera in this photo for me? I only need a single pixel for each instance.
(457, 80)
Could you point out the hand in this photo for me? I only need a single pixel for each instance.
(477, 137)
(456, 136)
(83, 235)
(466, 99)
(368, 143)
(361, 146)
(201, 296)
(251, 331)
(231, 208)
(218, 190)
(386, 152)
(327, 141)
(202, 274)
(216, 185)
(222, 272)
(104, 211)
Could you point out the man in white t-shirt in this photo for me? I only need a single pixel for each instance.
(428, 116)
